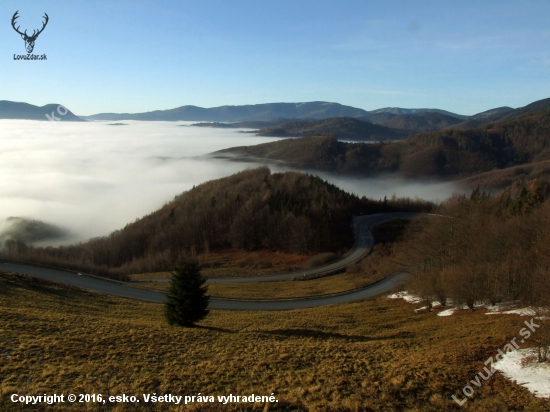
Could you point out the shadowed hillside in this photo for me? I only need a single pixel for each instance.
(344, 128)
(251, 210)
(315, 152)
(415, 122)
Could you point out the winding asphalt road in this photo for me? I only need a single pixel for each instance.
(364, 242)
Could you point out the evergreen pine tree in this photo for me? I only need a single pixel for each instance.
(186, 301)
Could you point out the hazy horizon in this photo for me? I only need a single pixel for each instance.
(464, 58)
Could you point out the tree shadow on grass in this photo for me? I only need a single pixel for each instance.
(215, 329)
(307, 333)
(12, 280)
(59, 290)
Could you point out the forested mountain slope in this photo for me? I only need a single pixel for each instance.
(344, 128)
(449, 152)
(413, 122)
(493, 249)
(253, 209)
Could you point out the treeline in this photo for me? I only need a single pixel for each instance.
(482, 249)
(496, 145)
(254, 209)
(444, 153)
(345, 128)
(414, 122)
(513, 179)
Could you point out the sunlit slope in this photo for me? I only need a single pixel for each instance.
(368, 356)
(445, 153)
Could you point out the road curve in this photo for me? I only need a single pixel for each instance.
(121, 290)
(364, 241)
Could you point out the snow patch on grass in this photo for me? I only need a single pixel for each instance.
(503, 308)
(447, 312)
(528, 311)
(414, 299)
(534, 376)
(406, 296)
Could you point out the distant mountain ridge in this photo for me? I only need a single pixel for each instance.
(412, 120)
(260, 112)
(399, 111)
(445, 153)
(499, 111)
(344, 128)
(26, 111)
(255, 112)
(502, 113)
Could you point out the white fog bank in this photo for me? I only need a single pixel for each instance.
(93, 178)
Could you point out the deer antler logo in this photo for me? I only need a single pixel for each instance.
(29, 40)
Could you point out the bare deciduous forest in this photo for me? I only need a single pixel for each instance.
(444, 153)
(482, 248)
(254, 209)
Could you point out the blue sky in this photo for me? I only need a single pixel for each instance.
(133, 56)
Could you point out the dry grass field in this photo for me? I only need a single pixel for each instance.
(374, 355)
(237, 263)
(231, 263)
(279, 290)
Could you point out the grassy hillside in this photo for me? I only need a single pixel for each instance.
(368, 356)
(251, 210)
(449, 152)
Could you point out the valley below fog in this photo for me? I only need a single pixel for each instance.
(93, 178)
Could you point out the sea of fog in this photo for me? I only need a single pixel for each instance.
(92, 178)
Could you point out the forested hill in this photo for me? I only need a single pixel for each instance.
(254, 209)
(344, 128)
(253, 124)
(450, 152)
(504, 250)
(503, 113)
(414, 122)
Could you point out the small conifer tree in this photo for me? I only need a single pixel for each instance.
(186, 301)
